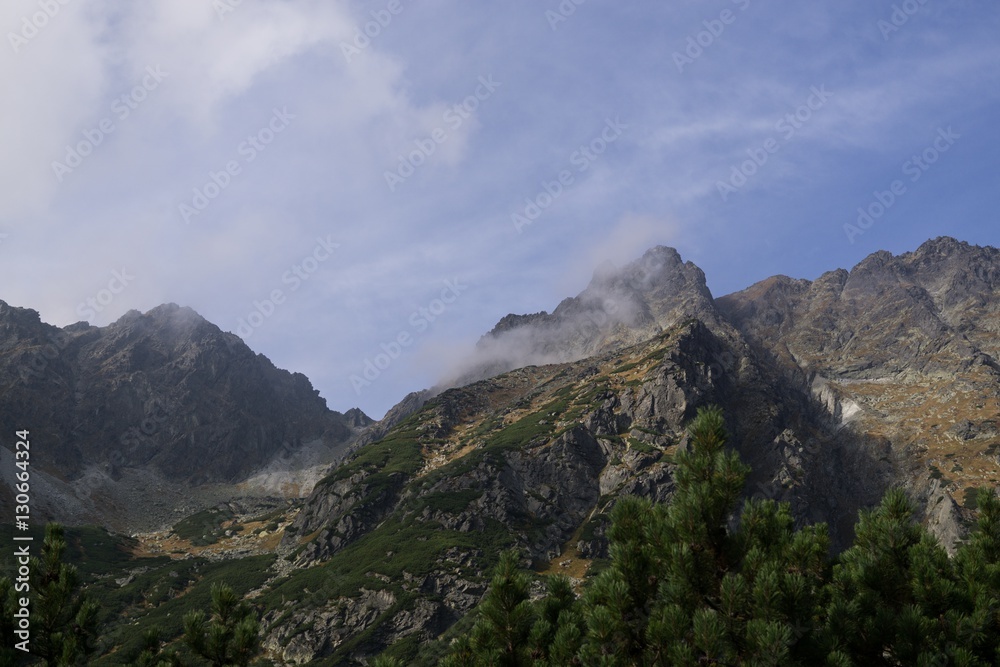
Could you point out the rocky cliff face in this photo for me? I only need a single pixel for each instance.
(163, 399)
(931, 310)
(901, 348)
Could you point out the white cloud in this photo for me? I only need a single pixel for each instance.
(47, 99)
(216, 58)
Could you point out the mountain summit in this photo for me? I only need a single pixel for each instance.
(619, 307)
(162, 400)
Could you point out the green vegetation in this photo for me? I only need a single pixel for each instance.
(702, 580)
(642, 447)
(452, 502)
(158, 599)
(505, 620)
(972, 497)
(230, 637)
(205, 527)
(531, 429)
(154, 654)
(384, 468)
(93, 550)
(399, 452)
(625, 368)
(63, 620)
(395, 547)
(685, 585)
(589, 532)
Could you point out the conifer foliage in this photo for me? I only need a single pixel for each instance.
(696, 582)
(230, 638)
(63, 619)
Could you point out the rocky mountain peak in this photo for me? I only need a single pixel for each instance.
(162, 398)
(356, 418)
(620, 307)
(903, 346)
(660, 268)
(943, 246)
(168, 324)
(16, 323)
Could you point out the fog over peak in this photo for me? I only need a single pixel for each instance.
(620, 306)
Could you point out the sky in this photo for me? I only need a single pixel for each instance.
(335, 181)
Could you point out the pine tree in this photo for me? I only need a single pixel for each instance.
(461, 654)
(616, 604)
(8, 607)
(770, 599)
(977, 565)
(230, 638)
(693, 548)
(505, 616)
(892, 589)
(558, 631)
(732, 597)
(153, 654)
(64, 621)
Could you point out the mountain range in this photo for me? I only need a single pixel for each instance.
(371, 536)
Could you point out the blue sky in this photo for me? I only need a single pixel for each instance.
(325, 194)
